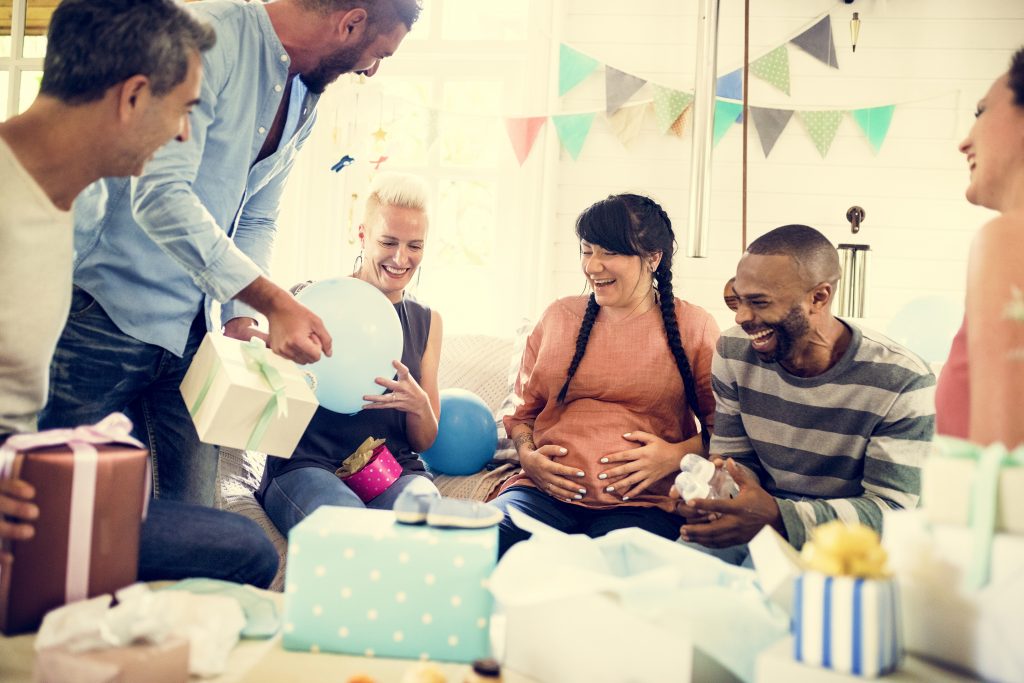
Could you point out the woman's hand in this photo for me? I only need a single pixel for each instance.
(405, 393)
(554, 479)
(638, 468)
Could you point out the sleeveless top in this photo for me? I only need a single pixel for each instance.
(953, 391)
(331, 437)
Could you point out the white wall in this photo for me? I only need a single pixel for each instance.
(933, 58)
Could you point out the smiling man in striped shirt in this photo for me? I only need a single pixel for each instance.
(827, 419)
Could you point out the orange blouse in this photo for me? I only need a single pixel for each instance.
(627, 381)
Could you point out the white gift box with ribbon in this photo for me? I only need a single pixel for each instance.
(242, 395)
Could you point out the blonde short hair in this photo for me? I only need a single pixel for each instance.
(401, 190)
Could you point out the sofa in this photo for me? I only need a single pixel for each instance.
(483, 364)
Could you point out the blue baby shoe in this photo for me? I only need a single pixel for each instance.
(412, 507)
(463, 514)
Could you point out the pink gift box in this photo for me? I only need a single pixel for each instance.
(381, 472)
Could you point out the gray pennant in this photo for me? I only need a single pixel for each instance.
(619, 86)
(817, 42)
(769, 124)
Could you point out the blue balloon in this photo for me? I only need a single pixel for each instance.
(466, 435)
(367, 337)
(927, 326)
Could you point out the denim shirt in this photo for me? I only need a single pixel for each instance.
(207, 210)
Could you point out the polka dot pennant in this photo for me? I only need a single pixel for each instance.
(773, 68)
(669, 105)
(822, 127)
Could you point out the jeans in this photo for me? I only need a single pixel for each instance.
(180, 541)
(575, 519)
(294, 495)
(97, 369)
(738, 555)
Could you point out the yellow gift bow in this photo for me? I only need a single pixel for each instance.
(840, 549)
(359, 459)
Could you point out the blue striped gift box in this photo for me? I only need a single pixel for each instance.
(847, 624)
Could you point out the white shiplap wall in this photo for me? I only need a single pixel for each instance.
(934, 58)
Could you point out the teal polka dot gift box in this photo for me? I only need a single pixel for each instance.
(359, 583)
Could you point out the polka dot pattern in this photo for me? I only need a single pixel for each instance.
(773, 68)
(371, 587)
(668, 105)
(822, 127)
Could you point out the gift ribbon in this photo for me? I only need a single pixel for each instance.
(983, 499)
(114, 428)
(254, 353)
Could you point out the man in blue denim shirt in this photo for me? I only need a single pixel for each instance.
(153, 253)
(99, 112)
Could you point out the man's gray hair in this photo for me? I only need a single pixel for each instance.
(96, 44)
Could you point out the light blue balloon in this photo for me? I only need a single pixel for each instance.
(926, 326)
(466, 435)
(367, 337)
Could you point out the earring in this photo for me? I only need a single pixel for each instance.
(419, 274)
(358, 263)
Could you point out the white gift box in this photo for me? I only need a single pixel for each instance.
(231, 399)
(947, 487)
(629, 606)
(974, 629)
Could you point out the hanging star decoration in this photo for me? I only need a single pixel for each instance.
(377, 162)
(380, 134)
(342, 163)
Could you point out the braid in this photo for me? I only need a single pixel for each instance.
(675, 343)
(582, 337)
(668, 316)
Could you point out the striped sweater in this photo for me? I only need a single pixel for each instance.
(846, 444)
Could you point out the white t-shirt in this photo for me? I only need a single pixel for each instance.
(36, 248)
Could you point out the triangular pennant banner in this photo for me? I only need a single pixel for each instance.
(875, 123)
(573, 130)
(730, 86)
(822, 127)
(725, 116)
(573, 67)
(679, 123)
(523, 132)
(627, 121)
(769, 124)
(668, 105)
(817, 42)
(773, 68)
(619, 86)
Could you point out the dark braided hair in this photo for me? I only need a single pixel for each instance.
(636, 225)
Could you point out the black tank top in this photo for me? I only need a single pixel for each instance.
(331, 437)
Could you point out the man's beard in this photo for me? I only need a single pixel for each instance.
(342, 61)
(786, 332)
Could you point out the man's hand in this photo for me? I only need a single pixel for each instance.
(636, 469)
(15, 497)
(296, 332)
(741, 517)
(244, 329)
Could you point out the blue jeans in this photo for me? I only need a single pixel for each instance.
(576, 519)
(98, 369)
(181, 541)
(738, 555)
(292, 496)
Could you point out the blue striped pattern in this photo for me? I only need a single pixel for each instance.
(847, 624)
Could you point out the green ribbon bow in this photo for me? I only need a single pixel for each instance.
(981, 518)
(254, 353)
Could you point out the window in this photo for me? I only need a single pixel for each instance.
(436, 109)
(23, 25)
